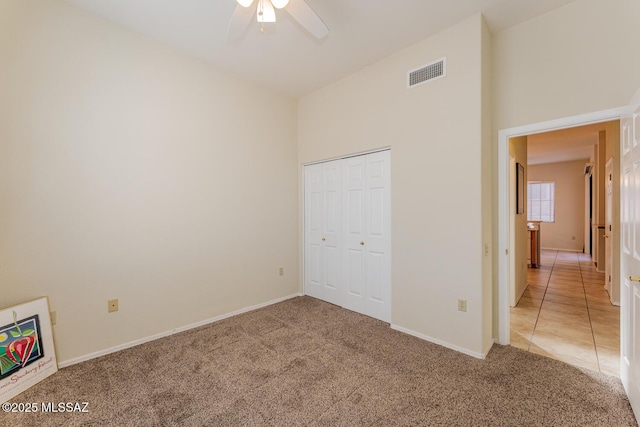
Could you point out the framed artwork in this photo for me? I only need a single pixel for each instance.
(27, 353)
(519, 188)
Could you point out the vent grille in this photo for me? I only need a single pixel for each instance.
(426, 73)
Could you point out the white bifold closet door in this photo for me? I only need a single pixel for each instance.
(348, 243)
(323, 238)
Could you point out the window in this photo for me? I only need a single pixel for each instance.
(541, 201)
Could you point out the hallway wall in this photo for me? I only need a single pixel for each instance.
(567, 232)
(519, 233)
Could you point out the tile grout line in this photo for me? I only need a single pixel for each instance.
(542, 301)
(586, 300)
(565, 263)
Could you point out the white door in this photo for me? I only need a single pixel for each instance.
(367, 227)
(354, 231)
(608, 235)
(323, 221)
(630, 259)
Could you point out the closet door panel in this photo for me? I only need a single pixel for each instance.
(332, 234)
(347, 233)
(377, 224)
(313, 231)
(323, 235)
(375, 276)
(355, 279)
(313, 281)
(354, 233)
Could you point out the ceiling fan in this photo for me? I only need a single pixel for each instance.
(264, 10)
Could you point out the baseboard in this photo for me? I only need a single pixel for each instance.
(561, 250)
(442, 343)
(497, 340)
(492, 341)
(524, 288)
(171, 332)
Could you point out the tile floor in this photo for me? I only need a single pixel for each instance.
(565, 314)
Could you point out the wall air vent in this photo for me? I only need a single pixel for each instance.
(426, 73)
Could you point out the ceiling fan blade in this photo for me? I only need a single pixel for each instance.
(239, 22)
(306, 17)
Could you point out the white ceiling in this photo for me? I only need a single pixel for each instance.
(563, 145)
(290, 60)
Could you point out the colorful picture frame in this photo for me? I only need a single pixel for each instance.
(27, 352)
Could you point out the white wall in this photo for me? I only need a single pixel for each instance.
(487, 196)
(131, 171)
(437, 248)
(567, 232)
(571, 61)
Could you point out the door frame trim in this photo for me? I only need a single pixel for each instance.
(504, 250)
(345, 156)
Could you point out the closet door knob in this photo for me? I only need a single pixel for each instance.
(362, 242)
(323, 239)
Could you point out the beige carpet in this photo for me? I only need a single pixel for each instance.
(306, 362)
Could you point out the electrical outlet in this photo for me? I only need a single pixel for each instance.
(112, 305)
(54, 317)
(281, 271)
(462, 304)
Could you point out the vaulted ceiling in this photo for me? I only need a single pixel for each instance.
(286, 57)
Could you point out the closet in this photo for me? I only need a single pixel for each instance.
(347, 233)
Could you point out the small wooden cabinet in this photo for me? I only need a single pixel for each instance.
(533, 244)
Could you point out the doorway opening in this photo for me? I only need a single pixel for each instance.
(507, 249)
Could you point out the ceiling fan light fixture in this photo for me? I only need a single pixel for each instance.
(266, 12)
(279, 4)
